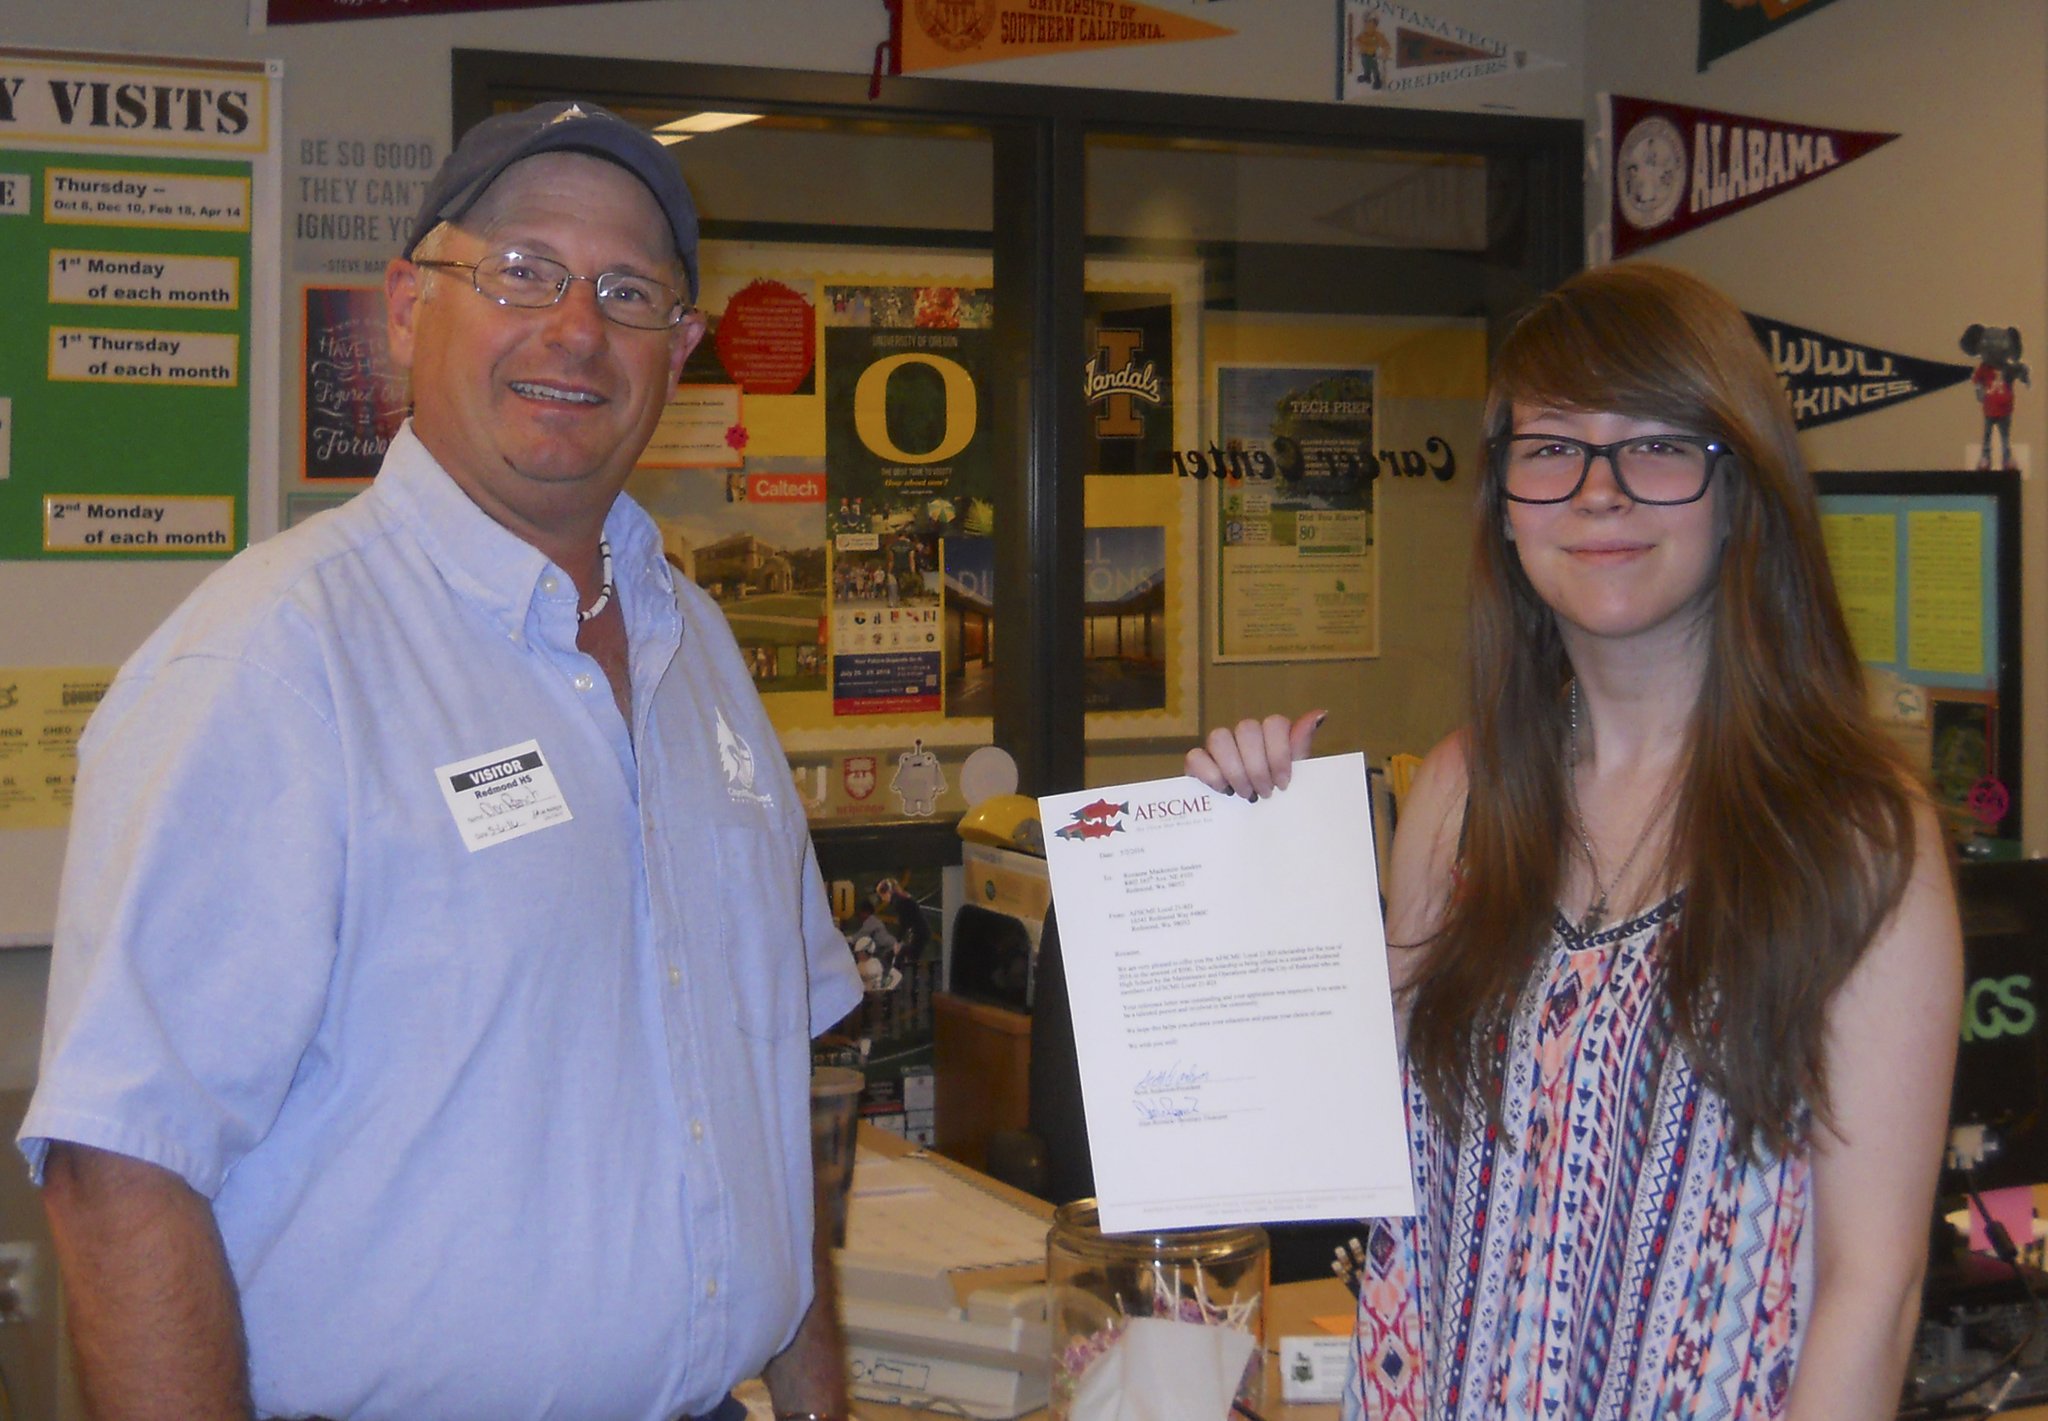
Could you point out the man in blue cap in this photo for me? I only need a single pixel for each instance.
(440, 938)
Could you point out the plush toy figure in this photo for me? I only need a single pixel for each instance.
(1996, 350)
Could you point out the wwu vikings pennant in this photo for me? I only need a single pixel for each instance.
(935, 34)
(1830, 379)
(1728, 25)
(1675, 167)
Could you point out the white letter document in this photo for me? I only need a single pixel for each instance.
(1227, 968)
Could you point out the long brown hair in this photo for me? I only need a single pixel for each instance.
(1793, 821)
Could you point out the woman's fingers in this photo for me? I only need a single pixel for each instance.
(1220, 762)
(1202, 765)
(1304, 731)
(1254, 757)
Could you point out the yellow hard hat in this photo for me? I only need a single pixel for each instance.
(1006, 821)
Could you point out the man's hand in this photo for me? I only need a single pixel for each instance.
(809, 1375)
(151, 1304)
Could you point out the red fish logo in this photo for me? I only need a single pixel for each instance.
(1094, 821)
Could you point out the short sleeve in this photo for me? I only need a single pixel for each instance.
(835, 981)
(197, 919)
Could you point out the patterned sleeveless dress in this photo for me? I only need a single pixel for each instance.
(1604, 1254)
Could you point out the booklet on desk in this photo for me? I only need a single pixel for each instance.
(919, 1234)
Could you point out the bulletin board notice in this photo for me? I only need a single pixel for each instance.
(132, 225)
(139, 395)
(1927, 569)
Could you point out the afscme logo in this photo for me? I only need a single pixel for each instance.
(1095, 821)
(1102, 818)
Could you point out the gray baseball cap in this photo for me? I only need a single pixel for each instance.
(560, 126)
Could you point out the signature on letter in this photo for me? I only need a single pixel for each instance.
(1176, 1077)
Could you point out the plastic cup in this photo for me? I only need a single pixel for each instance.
(835, 1116)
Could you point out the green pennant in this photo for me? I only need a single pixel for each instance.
(1728, 25)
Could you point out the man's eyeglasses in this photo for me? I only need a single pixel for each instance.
(1650, 468)
(515, 279)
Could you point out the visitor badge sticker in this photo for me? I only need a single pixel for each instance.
(502, 795)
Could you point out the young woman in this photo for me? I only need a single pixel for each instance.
(1677, 949)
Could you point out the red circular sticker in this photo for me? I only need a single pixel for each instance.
(767, 339)
(1989, 800)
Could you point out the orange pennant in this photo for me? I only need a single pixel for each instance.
(934, 34)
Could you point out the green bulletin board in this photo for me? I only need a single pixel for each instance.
(139, 241)
(138, 251)
(127, 365)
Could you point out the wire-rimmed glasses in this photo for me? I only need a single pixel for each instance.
(531, 283)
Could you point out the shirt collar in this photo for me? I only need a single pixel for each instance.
(485, 562)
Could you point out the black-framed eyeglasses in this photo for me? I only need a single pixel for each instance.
(516, 279)
(1650, 468)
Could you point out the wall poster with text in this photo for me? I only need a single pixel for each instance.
(355, 396)
(1317, 423)
(139, 203)
(909, 455)
(849, 532)
(1141, 669)
(1297, 578)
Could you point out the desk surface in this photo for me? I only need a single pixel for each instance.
(1290, 1309)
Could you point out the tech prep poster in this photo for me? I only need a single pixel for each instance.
(139, 235)
(1297, 575)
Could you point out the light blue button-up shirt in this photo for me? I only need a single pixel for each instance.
(510, 1131)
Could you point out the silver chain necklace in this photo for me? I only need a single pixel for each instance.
(1597, 913)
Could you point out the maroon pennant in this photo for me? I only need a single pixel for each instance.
(1676, 167)
(1415, 48)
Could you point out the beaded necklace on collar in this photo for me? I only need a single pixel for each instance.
(604, 592)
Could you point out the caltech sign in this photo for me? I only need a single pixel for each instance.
(1286, 460)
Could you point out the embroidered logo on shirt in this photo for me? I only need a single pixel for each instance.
(736, 758)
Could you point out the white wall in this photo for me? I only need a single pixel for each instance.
(1901, 249)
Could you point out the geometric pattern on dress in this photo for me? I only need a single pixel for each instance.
(1605, 1253)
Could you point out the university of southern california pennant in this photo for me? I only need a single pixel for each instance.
(935, 34)
(1674, 167)
(1829, 379)
(1728, 25)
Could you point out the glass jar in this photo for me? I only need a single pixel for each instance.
(1100, 1282)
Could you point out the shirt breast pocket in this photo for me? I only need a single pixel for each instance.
(760, 910)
